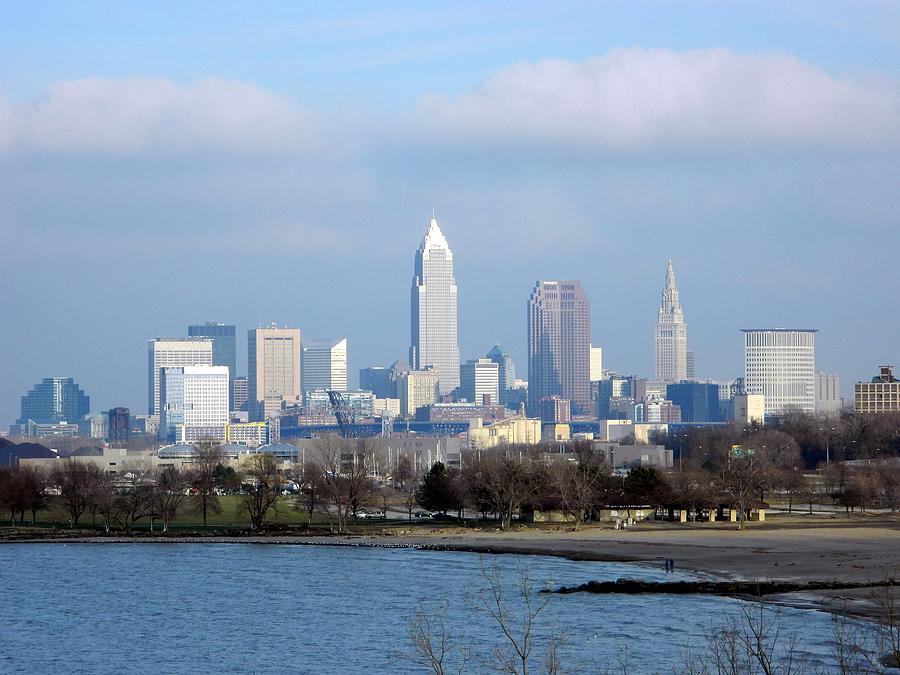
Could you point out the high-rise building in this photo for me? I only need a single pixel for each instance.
(172, 353)
(596, 364)
(194, 403)
(828, 394)
(480, 378)
(273, 369)
(416, 388)
(239, 393)
(54, 399)
(224, 348)
(671, 334)
(506, 372)
(691, 370)
(118, 425)
(698, 401)
(324, 364)
(881, 395)
(434, 340)
(559, 328)
(379, 380)
(780, 364)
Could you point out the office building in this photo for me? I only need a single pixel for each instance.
(479, 382)
(559, 328)
(53, 400)
(691, 371)
(615, 397)
(173, 353)
(780, 364)
(555, 409)
(434, 339)
(880, 395)
(828, 394)
(596, 364)
(379, 380)
(323, 364)
(506, 372)
(239, 393)
(698, 401)
(224, 351)
(416, 388)
(273, 370)
(118, 425)
(671, 334)
(194, 403)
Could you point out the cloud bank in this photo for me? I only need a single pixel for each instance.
(645, 97)
(132, 115)
(625, 99)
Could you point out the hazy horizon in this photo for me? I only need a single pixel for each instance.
(246, 165)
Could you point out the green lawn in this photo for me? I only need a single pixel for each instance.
(230, 518)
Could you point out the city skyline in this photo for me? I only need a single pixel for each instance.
(785, 197)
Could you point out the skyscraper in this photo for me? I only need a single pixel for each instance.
(671, 334)
(193, 403)
(434, 339)
(224, 349)
(559, 329)
(324, 364)
(506, 371)
(273, 369)
(780, 364)
(171, 353)
(479, 378)
(54, 399)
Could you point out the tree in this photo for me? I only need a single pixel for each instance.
(345, 468)
(432, 639)
(170, 494)
(259, 492)
(74, 480)
(208, 458)
(741, 480)
(312, 489)
(437, 492)
(579, 485)
(501, 482)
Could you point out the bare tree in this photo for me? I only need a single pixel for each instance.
(517, 621)
(259, 493)
(312, 495)
(504, 481)
(434, 644)
(578, 485)
(170, 495)
(345, 469)
(207, 456)
(741, 480)
(74, 480)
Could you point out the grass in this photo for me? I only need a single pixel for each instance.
(231, 517)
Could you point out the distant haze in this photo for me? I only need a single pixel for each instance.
(163, 168)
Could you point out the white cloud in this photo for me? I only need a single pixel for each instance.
(636, 97)
(157, 115)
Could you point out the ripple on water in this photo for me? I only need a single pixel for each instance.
(321, 609)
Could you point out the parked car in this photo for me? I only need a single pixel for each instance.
(370, 515)
(423, 514)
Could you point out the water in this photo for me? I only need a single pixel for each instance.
(152, 608)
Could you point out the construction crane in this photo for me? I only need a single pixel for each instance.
(342, 412)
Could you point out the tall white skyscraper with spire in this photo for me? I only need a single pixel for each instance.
(671, 334)
(434, 340)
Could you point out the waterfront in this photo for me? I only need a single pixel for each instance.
(317, 609)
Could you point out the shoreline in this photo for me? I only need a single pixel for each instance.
(795, 553)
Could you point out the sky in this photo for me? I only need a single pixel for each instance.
(162, 165)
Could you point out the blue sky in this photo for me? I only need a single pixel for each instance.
(162, 165)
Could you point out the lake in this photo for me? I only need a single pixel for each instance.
(151, 608)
